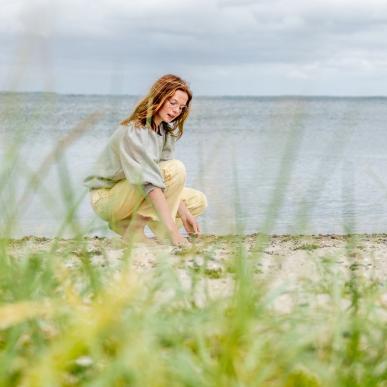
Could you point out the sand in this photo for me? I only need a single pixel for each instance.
(282, 262)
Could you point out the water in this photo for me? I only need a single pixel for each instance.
(280, 164)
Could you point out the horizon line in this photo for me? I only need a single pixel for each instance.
(200, 95)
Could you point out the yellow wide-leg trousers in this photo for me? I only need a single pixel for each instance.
(118, 204)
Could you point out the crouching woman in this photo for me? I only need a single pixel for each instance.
(137, 182)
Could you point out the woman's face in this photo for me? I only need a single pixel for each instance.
(172, 107)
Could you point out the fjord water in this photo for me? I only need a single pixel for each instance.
(273, 164)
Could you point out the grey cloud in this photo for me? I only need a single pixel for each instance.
(298, 42)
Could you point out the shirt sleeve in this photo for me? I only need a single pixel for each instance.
(138, 158)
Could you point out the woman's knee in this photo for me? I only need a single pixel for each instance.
(174, 171)
(196, 202)
(202, 199)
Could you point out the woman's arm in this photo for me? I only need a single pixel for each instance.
(161, 206)
(190, 223)
(182, 210)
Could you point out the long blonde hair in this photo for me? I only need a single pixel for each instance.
(162, 89)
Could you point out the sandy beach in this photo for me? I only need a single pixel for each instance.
(282, 262)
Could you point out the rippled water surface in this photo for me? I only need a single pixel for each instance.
(281, 164)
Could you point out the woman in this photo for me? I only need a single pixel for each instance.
(137, 182)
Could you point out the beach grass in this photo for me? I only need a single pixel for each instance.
(71, 314)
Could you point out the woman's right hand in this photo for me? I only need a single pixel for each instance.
(178, 240)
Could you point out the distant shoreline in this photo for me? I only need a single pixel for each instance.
(268, 96)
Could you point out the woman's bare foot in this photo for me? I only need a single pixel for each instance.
(159, 232)
(132, 231)
(165, 238)
(138, 237)
(133, 242)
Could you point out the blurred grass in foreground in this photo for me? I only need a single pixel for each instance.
(71, 314)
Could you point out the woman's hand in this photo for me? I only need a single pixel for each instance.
(178, 240)
(190, 224)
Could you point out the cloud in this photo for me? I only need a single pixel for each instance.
(304, 39)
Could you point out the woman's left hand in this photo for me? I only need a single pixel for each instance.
(190, 224)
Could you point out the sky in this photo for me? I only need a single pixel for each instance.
(221, 47)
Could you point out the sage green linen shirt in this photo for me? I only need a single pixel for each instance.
(133, 154)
